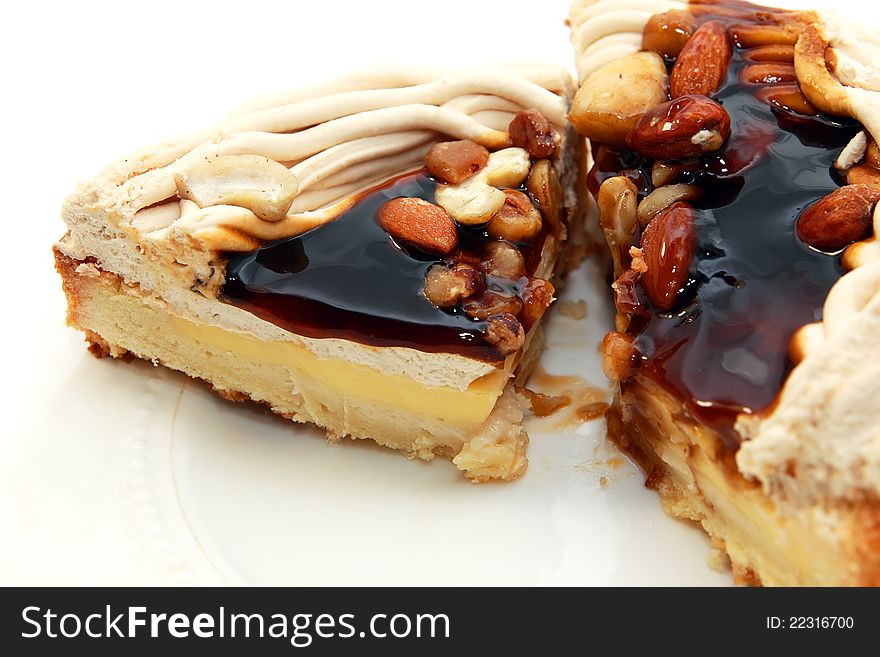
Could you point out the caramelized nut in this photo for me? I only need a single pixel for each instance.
(638, 82)
(474, 201)
(664, 173)
(445, 286)
(505, 333)
(788, 98)
(667, 249)
(618, 202)
(517, 220)
(662, 197)
(531, 130)
(419, 223)
(491, 303)
(863, 174)
(259, 184)
(455, 161)
(702, 65)
(668, 32)
(768, 73)
(543, 184)
(681, 128)
(753, 36)
(619, 356)
(504, 260)
(626, 299)
(537, 296)
(770, 53)
(839, 219)
(872, 154)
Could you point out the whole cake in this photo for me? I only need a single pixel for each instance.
(737, 173)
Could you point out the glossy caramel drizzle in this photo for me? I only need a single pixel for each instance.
(752, 283)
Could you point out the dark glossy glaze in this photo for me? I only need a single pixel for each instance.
(349, 279)
(723, 348)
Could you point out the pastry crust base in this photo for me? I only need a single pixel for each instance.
(122, 321)
(697, 480)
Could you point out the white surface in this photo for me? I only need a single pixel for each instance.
(126, 474)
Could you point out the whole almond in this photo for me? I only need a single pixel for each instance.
(416, 222)
(455, 161)
(667, 249)
(685, 127)
(839, 219)
(701, 66)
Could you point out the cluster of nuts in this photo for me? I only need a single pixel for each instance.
(672, 119)
(468, 283)
(479, 188)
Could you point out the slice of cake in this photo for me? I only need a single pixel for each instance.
(373, 255)
(737, 173)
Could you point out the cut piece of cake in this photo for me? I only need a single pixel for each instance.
(737, 173)
(372, 255)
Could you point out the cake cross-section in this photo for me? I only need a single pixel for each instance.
(373, 255)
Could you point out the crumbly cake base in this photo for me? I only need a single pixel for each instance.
(122, 321)
(698, 481)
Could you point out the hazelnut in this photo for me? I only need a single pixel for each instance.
(503, 259)
(517, 220)
(445, 286)
(505, 333)
(666, 33)
(531, 130)
(455, 161)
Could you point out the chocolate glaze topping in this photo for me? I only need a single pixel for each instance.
(753, 283)
(349, 279)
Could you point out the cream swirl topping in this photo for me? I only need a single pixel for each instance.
(334, 140)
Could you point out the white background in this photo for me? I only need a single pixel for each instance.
(92, 490)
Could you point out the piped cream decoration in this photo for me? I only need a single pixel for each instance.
(335, 139)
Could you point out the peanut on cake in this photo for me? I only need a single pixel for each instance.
(373, 255)
(737, 173)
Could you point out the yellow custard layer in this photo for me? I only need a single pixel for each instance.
(353, 380)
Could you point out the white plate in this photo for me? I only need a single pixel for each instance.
(114, 473)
